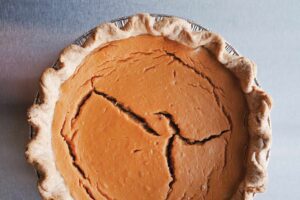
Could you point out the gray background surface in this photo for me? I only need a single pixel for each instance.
(32, 33)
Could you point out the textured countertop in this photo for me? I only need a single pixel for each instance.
(32, 33)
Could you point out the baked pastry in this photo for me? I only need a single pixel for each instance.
(152, 110)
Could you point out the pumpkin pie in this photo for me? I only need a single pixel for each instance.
(152, 110)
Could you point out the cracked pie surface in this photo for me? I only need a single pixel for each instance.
(150, 111)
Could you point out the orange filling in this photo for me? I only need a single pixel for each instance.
(149, 118)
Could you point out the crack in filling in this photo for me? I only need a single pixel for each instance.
(88, 191)
(72, 152)
(73, 156)
(176, 129)
(170, 163)
(176, 132)
(135, 117)
(82, 102)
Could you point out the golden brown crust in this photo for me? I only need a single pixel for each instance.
(40, 116)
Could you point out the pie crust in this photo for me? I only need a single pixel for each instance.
(40, 150)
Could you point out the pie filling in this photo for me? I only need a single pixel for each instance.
(149, 118)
